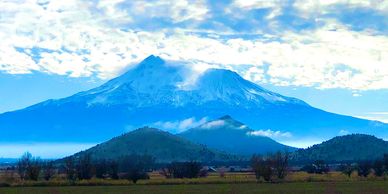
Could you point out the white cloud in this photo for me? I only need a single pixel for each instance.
(376, 116)
(331, 58)
(379, 113)
(72, 39)
(270, 133)
(243, 127)
(319, 7)
(177, 10)
(274, 5)
(181, 125)
(301, 143)
(213, 124)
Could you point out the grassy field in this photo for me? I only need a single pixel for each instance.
(352, 187)
(238, 183)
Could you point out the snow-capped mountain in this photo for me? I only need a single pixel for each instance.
(158, 91)
(155, 82)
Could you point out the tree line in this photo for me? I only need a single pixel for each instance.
(275, 167)
(363, 168)
(268, 168)
(131, 167)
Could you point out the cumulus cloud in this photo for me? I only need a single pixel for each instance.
(103, 38)
(181, 125)
(270, 133)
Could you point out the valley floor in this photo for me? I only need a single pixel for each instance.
(352, 187)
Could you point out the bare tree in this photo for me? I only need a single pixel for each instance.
(29, 167)
(34, 169)
(184, 170)
(23, 164)
(280, 164)
(262, 167)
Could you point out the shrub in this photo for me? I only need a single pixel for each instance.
(346, 169)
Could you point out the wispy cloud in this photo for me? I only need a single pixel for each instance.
(270, 133)
(181, 125)
(213, 124)
(377, 116)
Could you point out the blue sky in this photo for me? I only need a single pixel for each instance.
(332, 54)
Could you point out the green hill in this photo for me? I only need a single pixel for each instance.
(345, 148)
(165, 147)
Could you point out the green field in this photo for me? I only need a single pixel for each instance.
(354, 187)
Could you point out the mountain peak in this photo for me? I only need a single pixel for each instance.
(226, 117)
(152, 60)
(225, 123)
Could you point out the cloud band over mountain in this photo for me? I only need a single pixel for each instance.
(265, 41)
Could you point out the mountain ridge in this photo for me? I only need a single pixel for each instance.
(157, 91)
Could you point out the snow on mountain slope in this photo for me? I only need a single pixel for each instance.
(155, 82)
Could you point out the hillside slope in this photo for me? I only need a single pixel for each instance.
(345, 148)
(162, 145)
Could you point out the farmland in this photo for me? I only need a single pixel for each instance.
(244, 183)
